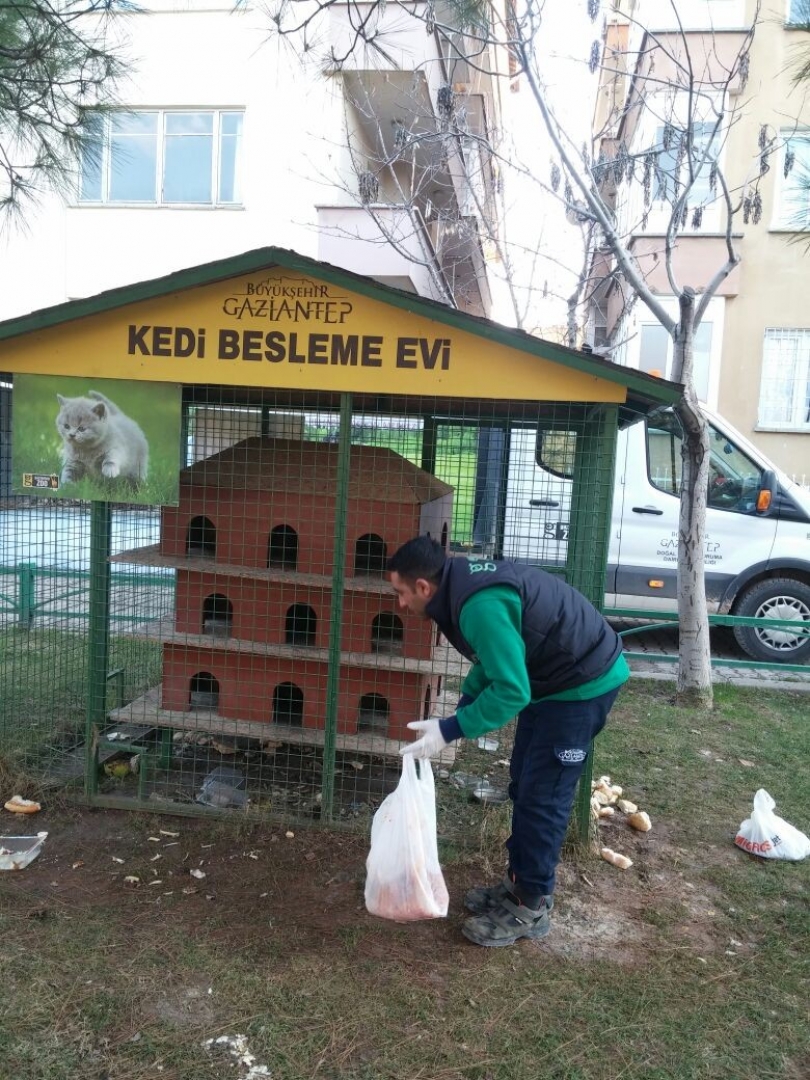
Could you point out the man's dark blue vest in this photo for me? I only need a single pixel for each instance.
(568, 643)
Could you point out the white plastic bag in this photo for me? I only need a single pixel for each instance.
(770, 836)
(404, 881)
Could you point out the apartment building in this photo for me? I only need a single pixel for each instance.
(226, 141)
(752, 349)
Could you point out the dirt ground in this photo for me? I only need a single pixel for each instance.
(240, 882)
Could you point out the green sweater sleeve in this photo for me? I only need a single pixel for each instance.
(491, 622)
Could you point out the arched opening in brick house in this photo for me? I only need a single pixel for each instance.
(203, 691)
(201, 537)
(373, 713)
(370, 555)
(288, 705)
(300, 625)
(426, 713)
(387, 633)
(443, 540)
(282, 548)
(217, 616)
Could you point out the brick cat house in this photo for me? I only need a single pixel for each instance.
(252, 543)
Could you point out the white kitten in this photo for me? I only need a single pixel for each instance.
(98, 440)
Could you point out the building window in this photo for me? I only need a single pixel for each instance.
(798, 12)
(159, 158)
(655, 354)
(784, 394)
(793, 197)
(670, 167)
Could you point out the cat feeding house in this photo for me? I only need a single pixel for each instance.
(252, 544)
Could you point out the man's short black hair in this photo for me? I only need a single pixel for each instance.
(421, 557)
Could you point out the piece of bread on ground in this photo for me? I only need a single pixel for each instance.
(18, 805)
(615, 859)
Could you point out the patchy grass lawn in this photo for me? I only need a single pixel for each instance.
(692, 965)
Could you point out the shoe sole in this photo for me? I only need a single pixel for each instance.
(531, 935)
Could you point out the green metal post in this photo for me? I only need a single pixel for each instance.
(165, 746)
(336, 613)
(588, 542)
(430, 440)
(26, 574)
(98, 636)
(503, 487)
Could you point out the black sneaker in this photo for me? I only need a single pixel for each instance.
(507, 923)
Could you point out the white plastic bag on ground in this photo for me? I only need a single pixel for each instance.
(404, 881)
(770, 836)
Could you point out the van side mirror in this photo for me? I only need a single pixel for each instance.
(767, 491)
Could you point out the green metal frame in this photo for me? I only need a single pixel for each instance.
(336, 609)
(98, 638)
(588, 542)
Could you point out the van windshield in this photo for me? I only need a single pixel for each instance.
(734, 479)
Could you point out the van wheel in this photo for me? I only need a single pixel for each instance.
(775, 598)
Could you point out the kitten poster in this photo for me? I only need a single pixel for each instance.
(115, 440)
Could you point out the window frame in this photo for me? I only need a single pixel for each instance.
(106, 138)
(800, 406)
(784, 219)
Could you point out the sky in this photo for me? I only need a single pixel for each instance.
(535, 217)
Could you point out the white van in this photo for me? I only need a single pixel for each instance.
(757, 560)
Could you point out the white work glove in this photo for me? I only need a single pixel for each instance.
(431, 743)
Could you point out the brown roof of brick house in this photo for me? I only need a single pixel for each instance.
(298, 466)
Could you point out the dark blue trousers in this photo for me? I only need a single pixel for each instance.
(552, 742)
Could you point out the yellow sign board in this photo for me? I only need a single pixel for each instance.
(281, 329)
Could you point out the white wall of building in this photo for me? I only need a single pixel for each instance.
(292, 138)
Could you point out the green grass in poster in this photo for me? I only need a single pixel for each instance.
(38, 446)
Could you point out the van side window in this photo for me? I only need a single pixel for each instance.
(555, 452)
(664, 438)
(734, 479)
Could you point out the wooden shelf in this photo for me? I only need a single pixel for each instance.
(197, 564)
(147, 710)
(164, 632)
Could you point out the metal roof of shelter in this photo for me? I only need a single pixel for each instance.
(42, 341)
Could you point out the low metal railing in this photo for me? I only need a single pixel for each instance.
(23, 602)
(658, 620)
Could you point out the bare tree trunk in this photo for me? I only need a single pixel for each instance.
(694, 686)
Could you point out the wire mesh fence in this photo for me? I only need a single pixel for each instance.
(244, 650)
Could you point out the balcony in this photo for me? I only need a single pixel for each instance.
(394, 245)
